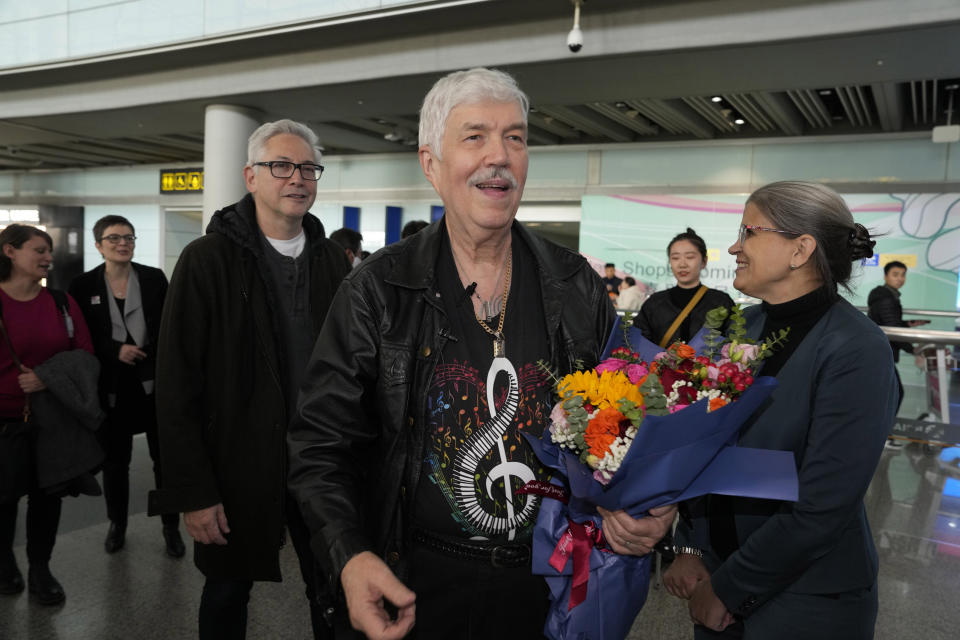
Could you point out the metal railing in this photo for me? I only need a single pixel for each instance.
(935, 348)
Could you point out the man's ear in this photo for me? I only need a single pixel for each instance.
(428, 162)
(250, 179)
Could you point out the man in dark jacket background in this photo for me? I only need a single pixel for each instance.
(407, 450)
(884, 307)
(244, 307)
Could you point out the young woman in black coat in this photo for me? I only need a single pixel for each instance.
(688, 257)
(122, 301)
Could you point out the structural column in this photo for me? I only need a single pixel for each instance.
(225, 132)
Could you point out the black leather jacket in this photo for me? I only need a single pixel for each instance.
(357, 440)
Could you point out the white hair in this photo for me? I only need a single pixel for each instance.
(258, 139)
(465, 87)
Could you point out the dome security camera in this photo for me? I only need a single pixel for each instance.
(575, 39)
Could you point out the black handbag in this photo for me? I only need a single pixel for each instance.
(16, 446)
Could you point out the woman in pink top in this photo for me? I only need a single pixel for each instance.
(37, 330)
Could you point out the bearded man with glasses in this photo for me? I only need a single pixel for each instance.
(245, 304)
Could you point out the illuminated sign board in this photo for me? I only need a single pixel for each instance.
(181, 180)
(19, 215)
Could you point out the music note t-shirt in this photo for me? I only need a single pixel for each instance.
(474, 459)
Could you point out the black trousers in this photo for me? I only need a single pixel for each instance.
(43, 518)
(223, 604)
(800, 616)
(135, 411)
(472, 600)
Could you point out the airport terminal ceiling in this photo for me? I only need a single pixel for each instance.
(871, 82)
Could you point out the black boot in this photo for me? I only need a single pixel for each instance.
(44, 587)
(11, 580)
(116, 536)
(171, 536)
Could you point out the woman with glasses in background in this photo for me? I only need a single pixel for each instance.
(806, 569)
(679, 312)
(122, 301)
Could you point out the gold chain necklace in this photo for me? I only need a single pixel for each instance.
(499, 348)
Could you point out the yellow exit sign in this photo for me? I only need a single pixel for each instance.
(181, 180)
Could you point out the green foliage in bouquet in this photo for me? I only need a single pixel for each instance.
(653, 396)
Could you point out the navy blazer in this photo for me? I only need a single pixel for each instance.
(90, 291)
(833, 408)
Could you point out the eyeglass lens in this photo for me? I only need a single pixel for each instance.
(285, 170)
(113, 238)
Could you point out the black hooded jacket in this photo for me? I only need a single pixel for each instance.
(220, 401)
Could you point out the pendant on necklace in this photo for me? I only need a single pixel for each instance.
(499, 346)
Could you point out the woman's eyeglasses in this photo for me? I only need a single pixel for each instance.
(745, 228)
(114, 238)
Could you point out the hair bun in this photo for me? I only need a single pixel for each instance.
(861, 246)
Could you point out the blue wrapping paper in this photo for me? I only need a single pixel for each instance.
(673, 458)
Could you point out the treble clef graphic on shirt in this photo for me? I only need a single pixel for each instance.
(485, 438)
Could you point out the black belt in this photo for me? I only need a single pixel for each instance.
(501, 556)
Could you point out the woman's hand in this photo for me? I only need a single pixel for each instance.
(685, 572)
(636, 536)
(130, 353)
(29, 381)
(707, 609)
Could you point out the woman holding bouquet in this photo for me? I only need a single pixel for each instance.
(760, 568)
(679, 312)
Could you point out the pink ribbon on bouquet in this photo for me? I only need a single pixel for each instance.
(579, 540)
(582, 537)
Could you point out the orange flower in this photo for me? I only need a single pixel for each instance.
(683, 350)
(603, 430)
(716, 403)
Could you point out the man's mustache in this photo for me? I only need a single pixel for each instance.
(496, 173)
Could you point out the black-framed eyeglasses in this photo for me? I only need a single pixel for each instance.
(284, 169)
(115, 238)
(744, 228)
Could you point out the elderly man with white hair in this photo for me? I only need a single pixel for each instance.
(407, 451)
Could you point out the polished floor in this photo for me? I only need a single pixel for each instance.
(141, 594)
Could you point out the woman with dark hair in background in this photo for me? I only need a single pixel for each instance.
(35, 330)
(122, 301)
(805, 569)
(679, 312)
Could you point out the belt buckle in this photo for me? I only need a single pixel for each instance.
(509, 562)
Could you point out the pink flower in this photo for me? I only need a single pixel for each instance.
(611, 364)
(678, 407)
(558, 417)
(747, 353)
(603, 477)
(636, 372)
(712, 371)
(661, 356)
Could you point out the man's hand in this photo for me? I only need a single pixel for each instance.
(28, 380)
(707, 609)
(130, 353)
(367, 581)
(683, 575)
(636, 536)
(207, 526)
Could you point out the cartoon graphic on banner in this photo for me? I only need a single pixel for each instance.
(921, 230)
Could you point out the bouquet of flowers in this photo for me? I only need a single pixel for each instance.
(644, 428)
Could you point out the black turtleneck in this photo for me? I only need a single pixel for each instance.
(800, 315)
